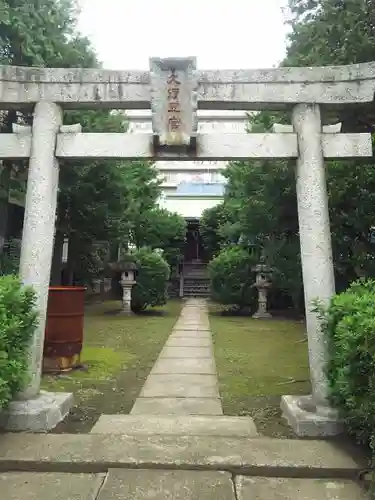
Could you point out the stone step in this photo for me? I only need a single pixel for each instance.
(196, 287)
(196, 290)
(194, 425)
(145, 484)
(247, 488)
(195, 293)
(196, 281)
(265, 457)
(194, 284)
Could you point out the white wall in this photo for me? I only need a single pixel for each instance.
(175, 172)
(188, 207)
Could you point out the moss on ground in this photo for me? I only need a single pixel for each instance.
(119, 353)
(257, 362)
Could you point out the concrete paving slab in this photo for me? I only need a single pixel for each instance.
(200, 366)
(252, 456)
(259, 488)
(180, 385)
(177, 406)
(183, 325)
(186, 352)
(49, 486)
(192, 425)
(198, 328)
(192, 328)
(191, 333)
(167, 485)
(188, 342)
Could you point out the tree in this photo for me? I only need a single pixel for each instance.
(261, 195)
(160, 228)
(144, 188)
(217, 228)
(102, 201)
(328, 32)
(338, 32)
(42, 34)
(98, 200)
(333, 32)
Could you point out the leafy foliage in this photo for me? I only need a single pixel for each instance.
(42, 35)
(260, 202)
(231, 277)
(328, 32)
(349, 324)
(17, 324)
(152, 280)
(9, 258)
(260, 211)
(159, 228)
(217, 229)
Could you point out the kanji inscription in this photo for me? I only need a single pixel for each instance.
(173, 101)
(174, 104)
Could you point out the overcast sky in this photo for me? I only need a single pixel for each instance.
(220, 33)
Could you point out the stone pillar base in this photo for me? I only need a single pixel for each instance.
(125, 312)
(37, 415)
(309, 423)
(261, 315)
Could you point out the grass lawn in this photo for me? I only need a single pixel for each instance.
(257, 362)
(119, 353)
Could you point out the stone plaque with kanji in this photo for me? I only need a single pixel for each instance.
(174, 100)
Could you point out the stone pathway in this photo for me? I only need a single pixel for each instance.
(176, 444)
(183, 380)
(181, 395)
(120, 484)
(123, 467)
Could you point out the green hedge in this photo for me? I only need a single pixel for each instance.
(152, 280)
(349, 325)
(232, 278)
(18, 321)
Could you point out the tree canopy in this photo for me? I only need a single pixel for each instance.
(260, 195)
(110, 201)
(43, 33)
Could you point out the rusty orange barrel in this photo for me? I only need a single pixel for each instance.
(64, 328)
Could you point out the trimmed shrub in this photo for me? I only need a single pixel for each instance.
(232, 278)
(152, 280)
(18, 320)
(349, 324)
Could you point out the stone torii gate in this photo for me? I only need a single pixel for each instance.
(174, 90)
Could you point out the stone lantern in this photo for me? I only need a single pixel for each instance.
(127, 281)
(262, 284)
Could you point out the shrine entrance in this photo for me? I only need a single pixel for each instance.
(174, 90)
(194, 249)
